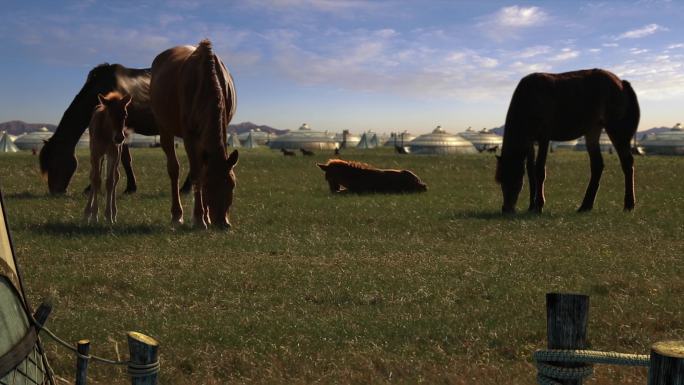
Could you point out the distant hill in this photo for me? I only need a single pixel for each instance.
(246, 126)
(17, 127)
(498, 130)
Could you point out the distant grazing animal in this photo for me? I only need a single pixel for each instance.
(306, 152)
(337, 151)
(493, 149)
(287, 152)
(359, 177)
(193, 98)
(107, 134)
(400, 150)
(57, 160)
(563, 107)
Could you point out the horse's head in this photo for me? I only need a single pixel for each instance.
(115, 107)
(412, 182)
(509, 174)
(220, 183)
(57, 164)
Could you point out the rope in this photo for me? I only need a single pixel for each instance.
(134, 369)
(549, 373)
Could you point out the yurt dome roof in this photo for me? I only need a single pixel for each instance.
(304, 137)
(441, 142)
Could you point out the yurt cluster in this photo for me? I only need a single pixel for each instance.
(438, 141)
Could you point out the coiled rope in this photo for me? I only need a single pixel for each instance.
(548, 373)
(134, 369)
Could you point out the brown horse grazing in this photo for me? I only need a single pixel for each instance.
(563, 107)
(287, 152)
(193, 98)
(107, 134)
(363, 178)
(306, 152)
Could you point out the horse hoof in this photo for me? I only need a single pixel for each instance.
(507, 211)
(199, 224)
(584, 209)
(175, 223)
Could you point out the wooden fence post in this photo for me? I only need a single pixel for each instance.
(83, 348)
(667, 363)
(567, 316)
(144, 352)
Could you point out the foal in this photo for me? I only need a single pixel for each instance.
(106, 138)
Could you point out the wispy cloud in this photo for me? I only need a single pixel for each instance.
(641, 32)
(565, 54)
(508, 21)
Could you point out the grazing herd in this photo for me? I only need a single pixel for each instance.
(189, 93)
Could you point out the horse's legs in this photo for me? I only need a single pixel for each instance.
(627, 162)
(113, 156)
(531, 175)
(90, 212)
(187, 185)
(540, 175)
(594, 150)
(334, 186)
(127, 163)
(198, 212)
(172, 167)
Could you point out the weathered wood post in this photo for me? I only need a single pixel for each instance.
(144, 352)
(667, 363)
(83, 348)
(567, 316)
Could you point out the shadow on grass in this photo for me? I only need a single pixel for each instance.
(75, 228)
(493, 215)
(25, 195)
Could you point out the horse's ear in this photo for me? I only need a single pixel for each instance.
(126, 100)
(101, 99)
(232, 159)
(323, 167)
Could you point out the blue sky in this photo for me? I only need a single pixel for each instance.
(384, 65)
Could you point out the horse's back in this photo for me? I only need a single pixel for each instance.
(165, 88)
(565, 106)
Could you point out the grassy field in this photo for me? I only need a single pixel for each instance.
(313, 288)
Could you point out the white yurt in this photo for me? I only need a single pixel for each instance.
(347, 140)
(669, 142)
(305, 138)
(135, 140)
(483, 139)
(563, 145)
(250, 141)
(260, 138)
(604, 142)
(400, 139)
(6, 143)
(368, 140)
(233, 140)
(441, 142)
(33, 140)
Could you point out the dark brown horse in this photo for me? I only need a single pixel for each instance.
(193, 98)
(363, 178)
(57, 160)
(563, 107)
(306, 152)
(287, 152)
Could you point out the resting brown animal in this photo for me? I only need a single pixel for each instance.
(363, 178)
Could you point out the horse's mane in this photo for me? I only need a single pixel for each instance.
(350, 164)
(210, 87)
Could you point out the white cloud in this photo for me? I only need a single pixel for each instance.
(515, 16)
(532, 51)
(641, 32)
(565, 54)
(509, 21)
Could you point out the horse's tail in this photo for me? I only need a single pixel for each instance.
(630, 120)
